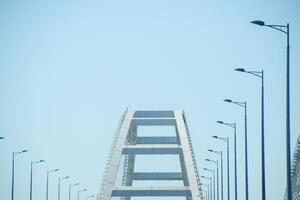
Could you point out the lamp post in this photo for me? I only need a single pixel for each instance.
(210, 183)
(13, 172)
(79, 191)
(59, 180)
(217, 164)
(260, 74)
(207, 194)
(233, 125)
(31, 174)
(226, 139)
(284, 29)
(70, 188)
(221, 155)
(214, 180)
(47, 184)
(243, 104)
(90, 196)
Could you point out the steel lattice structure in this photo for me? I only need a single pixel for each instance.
(127, 143)
(295, 173)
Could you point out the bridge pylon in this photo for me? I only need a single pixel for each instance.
(127, 144)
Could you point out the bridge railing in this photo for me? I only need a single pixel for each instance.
(108, 161)
(193, 157)
(296, 157)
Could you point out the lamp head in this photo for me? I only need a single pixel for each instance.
(228, 100)
(63, 178)
(55, 170)
(24, 151)
(215, 137)
(220, 122)
(207, 159)
(240, 69)
(1, 138)
(258, 22)
(41, 161)
(210, 150)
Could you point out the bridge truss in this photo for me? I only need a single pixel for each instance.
(127, 144)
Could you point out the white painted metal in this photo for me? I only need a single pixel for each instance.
(120, 191)
(152, 149)
(127, 143)
(157, 176)
(156, 140)
(295, 173)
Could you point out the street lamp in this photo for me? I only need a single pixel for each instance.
(79, 191)
(31, 168)
(284, 29)
(210, 181)
(70, 188)
(13, 172)
(214, 180)
(233, 125)
(47, 184)
(260, 74)
(221, 155)
(90, 196)
(226, 139)
(59, 180)
(243, 104)
(217, 164)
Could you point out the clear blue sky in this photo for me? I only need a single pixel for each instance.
(68, 69)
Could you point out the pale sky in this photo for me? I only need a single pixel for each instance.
(68, 70)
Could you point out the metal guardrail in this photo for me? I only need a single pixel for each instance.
(108, 161)
(193, 157)
(296, 157)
